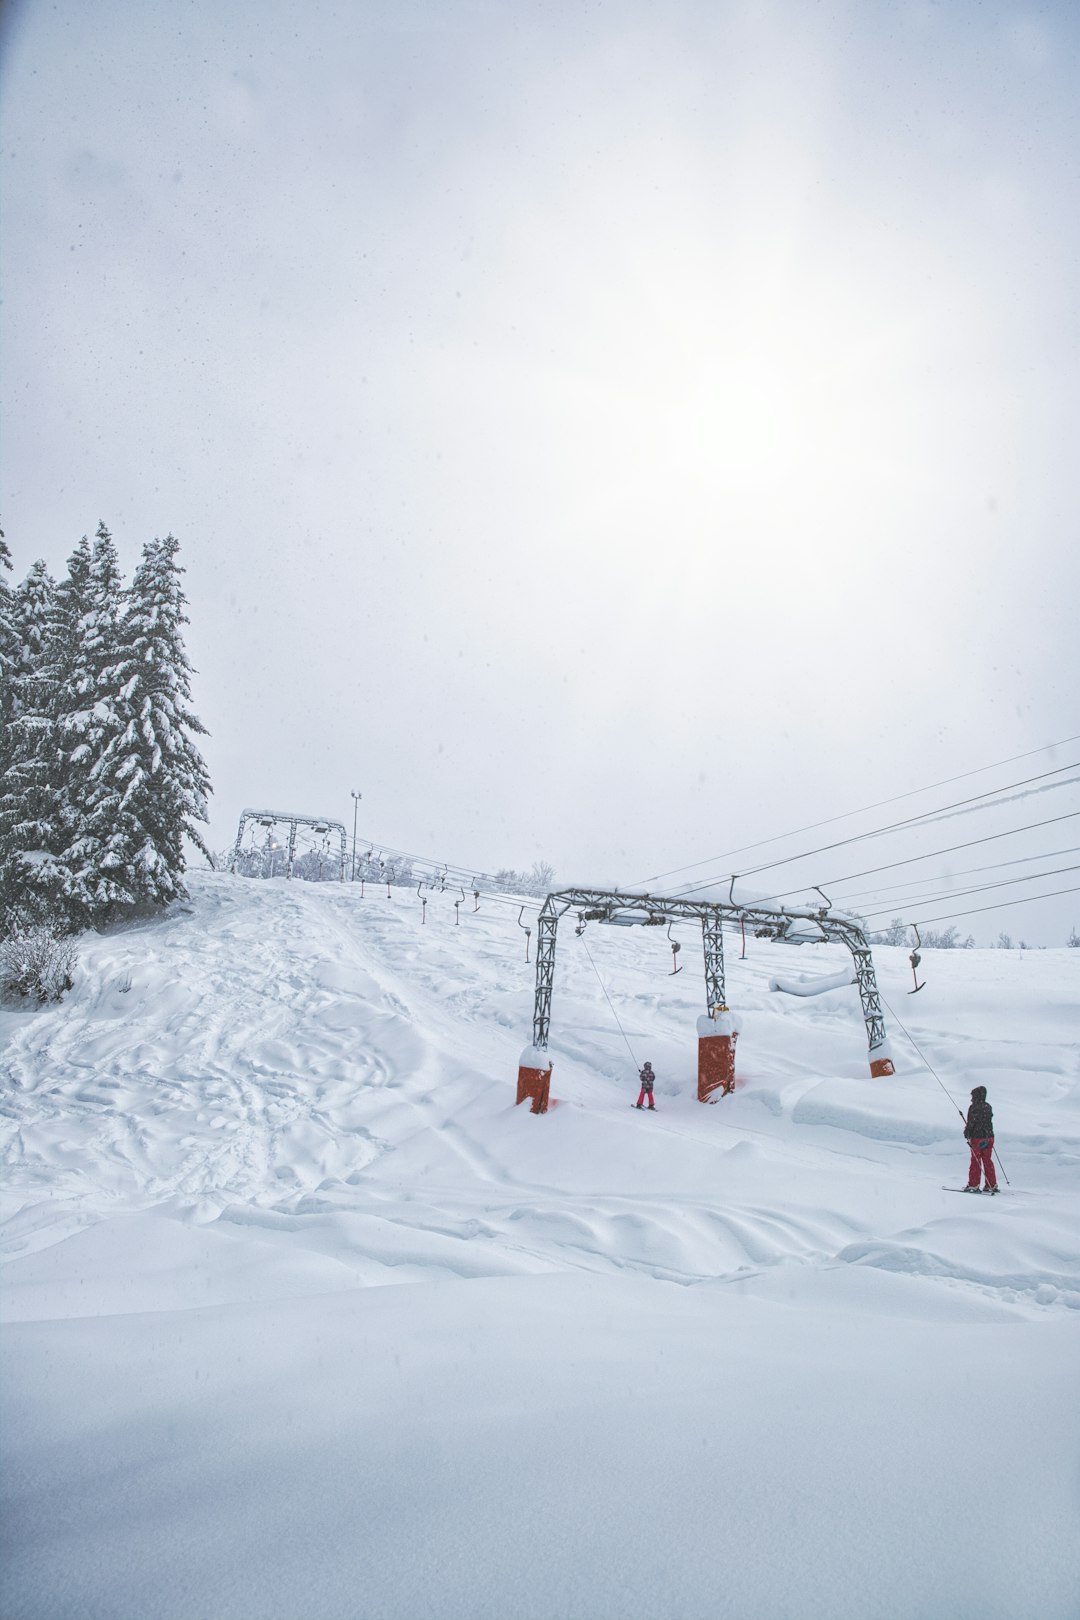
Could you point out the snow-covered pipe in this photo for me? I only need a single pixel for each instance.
(812, 986)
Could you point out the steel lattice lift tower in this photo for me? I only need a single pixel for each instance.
(716, 1030)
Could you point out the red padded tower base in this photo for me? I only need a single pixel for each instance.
(534, 1084)
(715, 1065)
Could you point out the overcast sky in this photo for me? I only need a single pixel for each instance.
(610, 433)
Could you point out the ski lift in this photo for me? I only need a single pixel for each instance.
(476, 899)
(675, 949)
(915, 959)
(580, 929)
(528, 931)
(423, 902)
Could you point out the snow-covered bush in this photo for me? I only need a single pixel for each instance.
(36, 964)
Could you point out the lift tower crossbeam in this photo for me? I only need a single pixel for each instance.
(654, 910)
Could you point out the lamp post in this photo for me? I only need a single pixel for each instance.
(356, 797)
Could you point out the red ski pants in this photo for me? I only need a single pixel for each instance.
(642, 1096)
(982, 1160)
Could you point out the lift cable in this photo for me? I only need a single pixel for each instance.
(925, 818)
(433, 869)
(954, 915)
(945, 877)
(939, 889)
(984, 888)
(865, 810)
(951, 849)
(611, 1004)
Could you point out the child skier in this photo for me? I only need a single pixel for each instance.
(979, 1132)
(647, 1077)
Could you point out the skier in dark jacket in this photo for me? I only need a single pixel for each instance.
(979, 1132)
(647, 1079)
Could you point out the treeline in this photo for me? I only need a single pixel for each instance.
(101, 779)
(948, 939)
(933, 939)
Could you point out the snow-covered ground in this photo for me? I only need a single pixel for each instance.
(748, 1360)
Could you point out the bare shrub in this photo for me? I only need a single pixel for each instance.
(37, 965)
(538, 880)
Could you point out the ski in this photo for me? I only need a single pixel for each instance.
(971, 1191)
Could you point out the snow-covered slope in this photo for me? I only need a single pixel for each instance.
(748, 1359)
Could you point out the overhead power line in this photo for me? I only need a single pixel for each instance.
(846, 815)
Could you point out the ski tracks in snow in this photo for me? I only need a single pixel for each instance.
(214, 1059)
(340, 1075)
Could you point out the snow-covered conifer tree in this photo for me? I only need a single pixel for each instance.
(29, 878)
(91, 718)
(9, 658)
(153, 761)
(9, 655)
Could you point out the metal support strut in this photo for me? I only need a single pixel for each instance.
(547, 927)
(713, 940)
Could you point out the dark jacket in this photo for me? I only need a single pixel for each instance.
(980, 1121)
(647, 1078)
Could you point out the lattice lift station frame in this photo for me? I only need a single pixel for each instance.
(273, 818)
